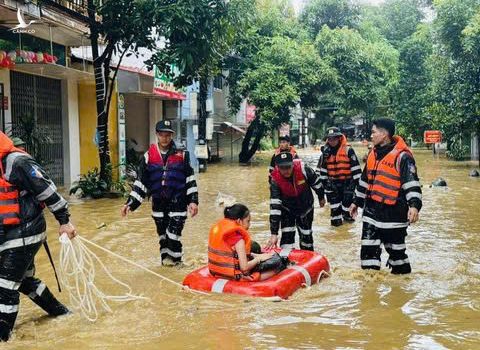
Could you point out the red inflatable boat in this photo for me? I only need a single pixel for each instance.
(306, 269)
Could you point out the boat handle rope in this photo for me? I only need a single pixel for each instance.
(143, 267)
(77, 275)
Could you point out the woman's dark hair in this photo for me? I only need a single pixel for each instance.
(255, 248)
(236, 211)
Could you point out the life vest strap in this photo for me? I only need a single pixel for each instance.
(8, 201)
(382, 195)
(380, 183)
(375, 173)
(237, 276)
(222, 253)
(7, 189)
(224, 264)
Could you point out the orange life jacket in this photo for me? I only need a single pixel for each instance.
(338, 165)
(222, 258)
(384, 176)
(291, 149)
(9, 194)
(289, 187)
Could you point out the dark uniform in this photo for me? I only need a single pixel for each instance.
(170, 180)
(340, 171)
(291, 203)
(388, 187)
(20, 242)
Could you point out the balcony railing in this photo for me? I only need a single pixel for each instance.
(75, 8)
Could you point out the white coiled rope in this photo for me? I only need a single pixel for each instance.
(77, 276)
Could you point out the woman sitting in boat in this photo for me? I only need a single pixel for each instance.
(230, 248)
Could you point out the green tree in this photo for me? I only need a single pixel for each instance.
(397, 20)
(269, 18)
(456, 68)
(275, 67)
(198, 34)
(367, 71)
(413, 94)
(121, 27)
(332, 13)
(283, 74)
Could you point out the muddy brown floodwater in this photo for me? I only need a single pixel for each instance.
(436, 307)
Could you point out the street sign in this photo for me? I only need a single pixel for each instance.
(432, 136)
(122, 142)
(163, 86)
(201, 151)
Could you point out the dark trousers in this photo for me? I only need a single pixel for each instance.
(290, 223)
(340, 197)
(393, 240)
(170, 220)
(17, 271)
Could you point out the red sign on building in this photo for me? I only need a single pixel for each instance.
(432, 136)
(5, 103)
(250, 113)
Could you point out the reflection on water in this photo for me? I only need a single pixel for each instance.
(436, 307)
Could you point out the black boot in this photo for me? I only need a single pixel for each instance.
(336, 222)
(7, 322)
(50, 304)
(401, 270)
(4, 331)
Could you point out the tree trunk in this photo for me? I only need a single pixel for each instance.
(100, 87)
(242, 157)
(257, 129)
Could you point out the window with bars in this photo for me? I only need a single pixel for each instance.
(218, 82)
(37, 118)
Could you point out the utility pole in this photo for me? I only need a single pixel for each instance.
(202, 122)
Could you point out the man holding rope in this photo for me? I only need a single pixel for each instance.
(167, 176)
(25, 190)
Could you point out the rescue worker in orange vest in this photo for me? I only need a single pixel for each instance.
(283, 146)
(339, 169)
(165, 174)
(229, 248)
(291, 202)
(391, 197)
(25, 189)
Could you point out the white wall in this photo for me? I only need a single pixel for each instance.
(71, 132)
(156, 113)
(241, 117)
(137, 121)
(5, 80)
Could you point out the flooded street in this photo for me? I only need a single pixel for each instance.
(436, 307)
